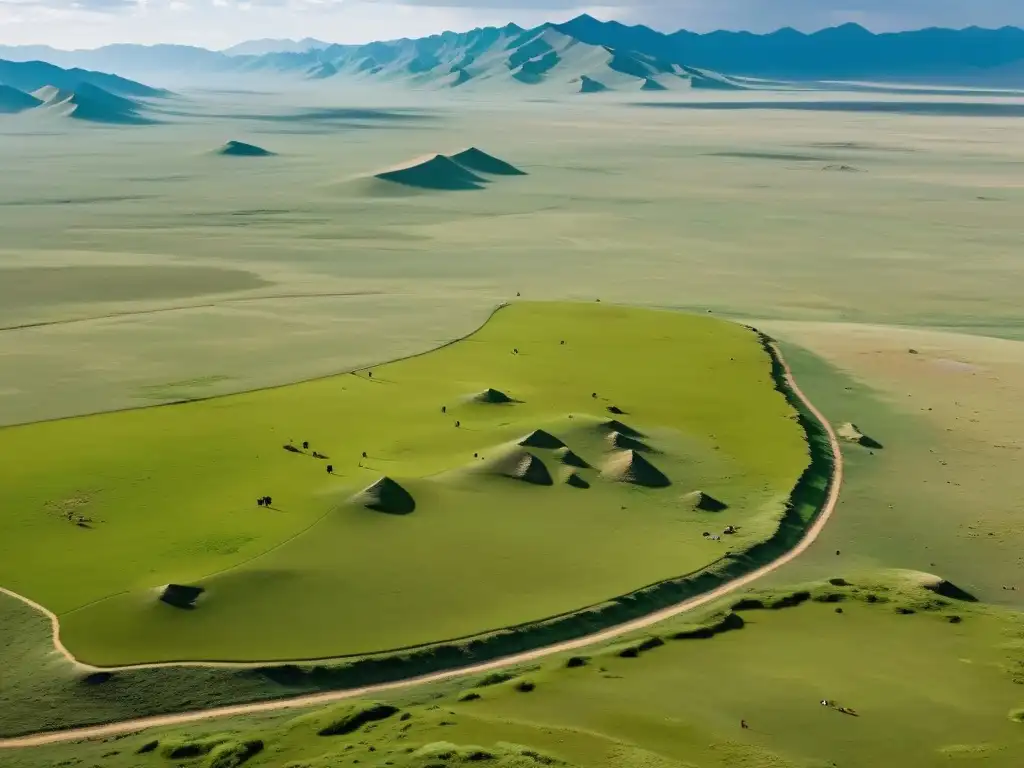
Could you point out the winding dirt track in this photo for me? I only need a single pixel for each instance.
(129, 726)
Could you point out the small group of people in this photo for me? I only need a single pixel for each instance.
(832, 705)
(264, 501)
(824, 702)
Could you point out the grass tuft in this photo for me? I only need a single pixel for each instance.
(232, 754)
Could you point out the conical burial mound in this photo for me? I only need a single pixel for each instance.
(241, 149)
(944, 588)
(436, 172)
(614, 425)
(704, 502)
(575, 480)
(541, 439)
(387, 496)
(852, 434)
(181, 595)
(632, 467)
(481, 162)
(626, 443)
(520, 465)
(491, 397)
(570, 459)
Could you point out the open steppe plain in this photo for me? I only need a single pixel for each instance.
(893, 289)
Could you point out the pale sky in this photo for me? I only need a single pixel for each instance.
(221, 23)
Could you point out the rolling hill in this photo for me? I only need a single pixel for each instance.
(77, 94)
(91, 104)
(12, 100)
(31, 75)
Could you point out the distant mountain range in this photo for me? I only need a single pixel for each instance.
(544, 56)
(268, 45)
(847, 52)
(590, 55)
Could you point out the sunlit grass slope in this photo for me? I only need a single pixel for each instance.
(97, 514)
(925, 679)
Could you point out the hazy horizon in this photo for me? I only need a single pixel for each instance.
(221, 24)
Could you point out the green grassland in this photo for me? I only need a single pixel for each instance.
(758, 229)
(943, 495)
(930, 679)
(682, 209)
(135, 500)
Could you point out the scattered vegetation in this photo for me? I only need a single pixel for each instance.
(232, 754)
(352, 717)
(921, 660)
(190, 748)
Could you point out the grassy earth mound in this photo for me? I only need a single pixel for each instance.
(705, 502)
(851, 433)
(566, 456)
(479, 161)
(388, 496)
(615, 426)
(622, 442)
(172, 493)
(241, 149)
(435, 172)
(492, 397)
(575, 479)
(520, 465)
(541, 439)
(630, 466)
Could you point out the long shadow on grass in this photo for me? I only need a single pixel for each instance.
(937, 108)
(57, 699)
(352, 117)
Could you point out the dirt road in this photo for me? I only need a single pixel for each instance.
(128, 726)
